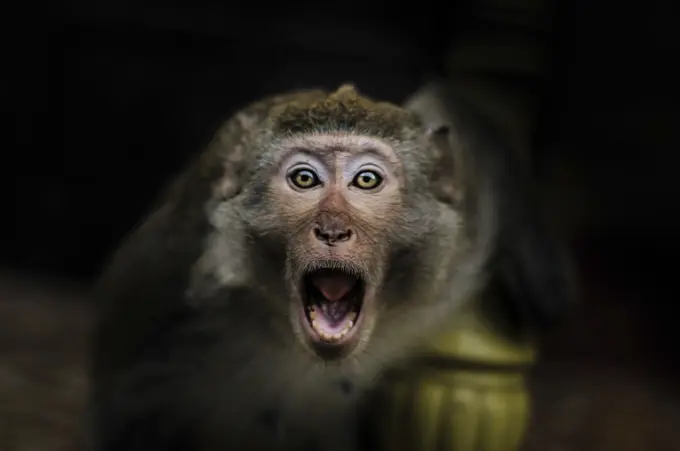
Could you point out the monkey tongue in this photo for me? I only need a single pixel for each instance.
(334, 287)
(334, 313)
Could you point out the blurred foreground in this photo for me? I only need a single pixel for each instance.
(609, 398)
(44, 333)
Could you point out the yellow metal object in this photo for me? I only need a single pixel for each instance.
(471, 396)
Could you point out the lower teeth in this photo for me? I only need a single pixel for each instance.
(332, 336)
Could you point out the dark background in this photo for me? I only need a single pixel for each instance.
(107, 99)
(104, 101)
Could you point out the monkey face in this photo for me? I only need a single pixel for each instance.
(337, 200)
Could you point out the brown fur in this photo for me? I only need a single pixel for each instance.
(197, 347)
(344, 109)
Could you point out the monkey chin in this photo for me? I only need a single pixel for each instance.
(330, 313)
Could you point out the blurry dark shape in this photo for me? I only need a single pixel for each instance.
(596, 388)
(44, 343)
(120, 95)
(602, 407)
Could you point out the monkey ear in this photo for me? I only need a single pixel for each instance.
(227, 151)
(447, 183)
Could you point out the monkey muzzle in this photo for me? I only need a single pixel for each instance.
(332, 300)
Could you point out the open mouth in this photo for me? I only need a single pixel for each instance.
(332, 304)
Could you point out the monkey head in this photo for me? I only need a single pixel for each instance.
(339, 200)
(340, 194)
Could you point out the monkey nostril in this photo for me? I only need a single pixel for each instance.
(344, 236)
(332, 236)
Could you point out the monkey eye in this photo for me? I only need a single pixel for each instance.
(367, 180)
(304, 178)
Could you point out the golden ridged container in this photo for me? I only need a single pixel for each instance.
(471, 396)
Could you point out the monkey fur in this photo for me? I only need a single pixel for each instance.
(204, 339)
(530, 272)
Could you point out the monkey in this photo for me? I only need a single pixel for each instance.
(318, 240)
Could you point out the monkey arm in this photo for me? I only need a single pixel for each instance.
(170, 397)
(155, 400)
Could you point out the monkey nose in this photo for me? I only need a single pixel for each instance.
(331, 236)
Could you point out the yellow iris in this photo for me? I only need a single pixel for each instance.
(367, 180)
(304, 178)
